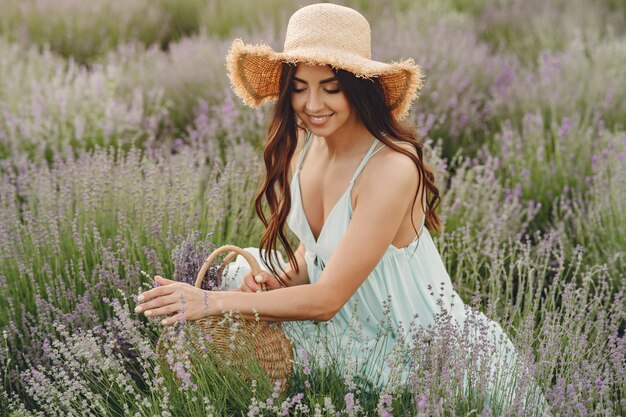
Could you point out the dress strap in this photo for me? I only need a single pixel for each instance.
(366, 158)
(305, 148)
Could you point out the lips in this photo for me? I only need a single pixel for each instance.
(318, 120)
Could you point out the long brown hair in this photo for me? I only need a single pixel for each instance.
(366, 96)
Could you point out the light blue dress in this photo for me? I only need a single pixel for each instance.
(403, 289)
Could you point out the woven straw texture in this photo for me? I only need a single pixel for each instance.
(235, 342)
(321, 34)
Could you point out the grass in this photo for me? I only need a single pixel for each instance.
(121, 147)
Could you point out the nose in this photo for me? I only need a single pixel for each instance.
(314, 102)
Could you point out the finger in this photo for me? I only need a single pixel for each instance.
(247, 287)
(155, 292)
(268, 279)
(273, 283)
(157, 302)
(252, 284)
(160, 311)
(163, 281)
(168, 321)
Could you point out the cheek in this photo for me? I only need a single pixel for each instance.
(342, 104)
(297, 102)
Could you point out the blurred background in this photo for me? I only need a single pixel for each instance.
(123, 149)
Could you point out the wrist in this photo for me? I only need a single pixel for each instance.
(206, 304)
(212, 303)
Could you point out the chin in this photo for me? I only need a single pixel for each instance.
(322, 130)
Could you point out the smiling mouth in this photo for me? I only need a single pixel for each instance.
(319, 120)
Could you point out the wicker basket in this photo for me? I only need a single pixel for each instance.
(253, 341)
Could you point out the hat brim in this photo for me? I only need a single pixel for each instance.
(254, 72)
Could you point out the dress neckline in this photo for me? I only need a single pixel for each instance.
(326, 221)
(296, 178)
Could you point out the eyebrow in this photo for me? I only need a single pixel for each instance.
(327, 80)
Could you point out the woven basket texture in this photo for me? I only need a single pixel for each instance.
(233, 341)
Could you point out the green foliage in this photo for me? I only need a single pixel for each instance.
(527, 28)
(68, 26)
(184, 18)
(224, 18)
(592, 214)
(74, 238)
(119, 136)
(186, 74)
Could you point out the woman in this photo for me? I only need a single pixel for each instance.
(347, 178)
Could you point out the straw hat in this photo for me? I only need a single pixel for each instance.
(321, 34)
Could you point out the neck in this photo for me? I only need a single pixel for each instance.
(348, 140)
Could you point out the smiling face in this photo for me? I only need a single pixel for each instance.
(319, 102)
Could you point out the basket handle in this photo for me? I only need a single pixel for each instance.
(234, 250)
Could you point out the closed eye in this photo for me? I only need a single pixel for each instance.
(299, 90)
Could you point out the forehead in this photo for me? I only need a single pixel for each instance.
(309, 72)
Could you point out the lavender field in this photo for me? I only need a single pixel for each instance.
(123, 153)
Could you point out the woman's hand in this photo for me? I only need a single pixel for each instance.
(253, 283)
(179, 300)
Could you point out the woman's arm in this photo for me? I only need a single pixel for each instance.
(375, 222)
(289, 276)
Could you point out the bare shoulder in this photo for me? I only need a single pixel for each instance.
(389, 165)
(388, 176)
